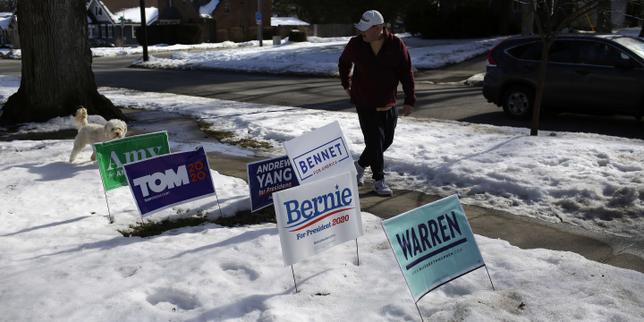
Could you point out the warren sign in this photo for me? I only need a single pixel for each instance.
(433, 244)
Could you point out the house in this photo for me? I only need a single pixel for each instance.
(216, 20)
(114, 22)
(282, 26)
(9, 30)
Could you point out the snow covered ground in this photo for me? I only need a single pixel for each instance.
(138, 50)
(318, 56)
(590, 180)
(60, 260)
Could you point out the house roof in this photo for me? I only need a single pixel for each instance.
(133, 15)
(207, 9)
(120, 5)
(107, 13)
(287, 21)
(5, 19)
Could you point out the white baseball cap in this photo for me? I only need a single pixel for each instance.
(369, 19)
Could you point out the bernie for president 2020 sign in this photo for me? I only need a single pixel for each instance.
(433, 244)
(318, 215)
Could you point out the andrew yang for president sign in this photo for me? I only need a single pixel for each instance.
(433, 244)
(317, 216)
(266, 177)
(168, 180)
(320, 153)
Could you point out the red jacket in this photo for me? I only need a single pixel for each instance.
(375, 78)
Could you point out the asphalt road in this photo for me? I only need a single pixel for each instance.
(438, 91)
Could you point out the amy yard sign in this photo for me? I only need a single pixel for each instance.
(112, 155)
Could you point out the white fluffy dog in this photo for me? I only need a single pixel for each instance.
(90, 133)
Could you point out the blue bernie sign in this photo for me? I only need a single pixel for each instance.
(266, 177)
(433, 245)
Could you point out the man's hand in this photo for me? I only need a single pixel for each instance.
(348, 90)
(406, 110)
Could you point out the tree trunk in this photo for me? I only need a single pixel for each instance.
(642, 18)
(604, 24)
(541, 84)
(527, 18)
(618, 13)
(57, 72)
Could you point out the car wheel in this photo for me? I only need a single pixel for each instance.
(518, 101)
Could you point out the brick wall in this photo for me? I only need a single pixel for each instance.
(236, 19)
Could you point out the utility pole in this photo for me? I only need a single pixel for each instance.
(144, 31)
(122, 20)
(260, 24)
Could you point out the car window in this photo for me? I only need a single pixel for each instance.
(531, 51)
(597, 53)
(634, 44)
(564, 51)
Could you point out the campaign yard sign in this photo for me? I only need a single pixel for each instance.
(112, 155)
(168, 180)
(266, 177)
(433, 245)
(320, 153)
(317, 216)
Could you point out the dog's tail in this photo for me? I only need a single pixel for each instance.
(81, 117)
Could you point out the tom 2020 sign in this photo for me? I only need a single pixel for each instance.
(169, 180)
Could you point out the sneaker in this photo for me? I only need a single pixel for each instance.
(360, 175)
(382, 189)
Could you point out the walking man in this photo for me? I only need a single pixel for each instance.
(380, 60)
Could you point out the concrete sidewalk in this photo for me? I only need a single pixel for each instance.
(521, 231)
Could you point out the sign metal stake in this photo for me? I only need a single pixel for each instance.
(488, 276)
(420, 315)
(107, 203)
(357, 253)
(294, 282)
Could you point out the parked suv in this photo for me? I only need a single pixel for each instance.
(586, 73)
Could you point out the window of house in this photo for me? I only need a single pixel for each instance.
(133, 32)
(110, 31)
(91, 29)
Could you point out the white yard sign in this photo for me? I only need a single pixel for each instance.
(317, 216)
(320, 153)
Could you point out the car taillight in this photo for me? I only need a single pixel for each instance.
(490, 58)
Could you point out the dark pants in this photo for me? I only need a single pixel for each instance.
(378, 131)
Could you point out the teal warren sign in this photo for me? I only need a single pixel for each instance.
(433, 244)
